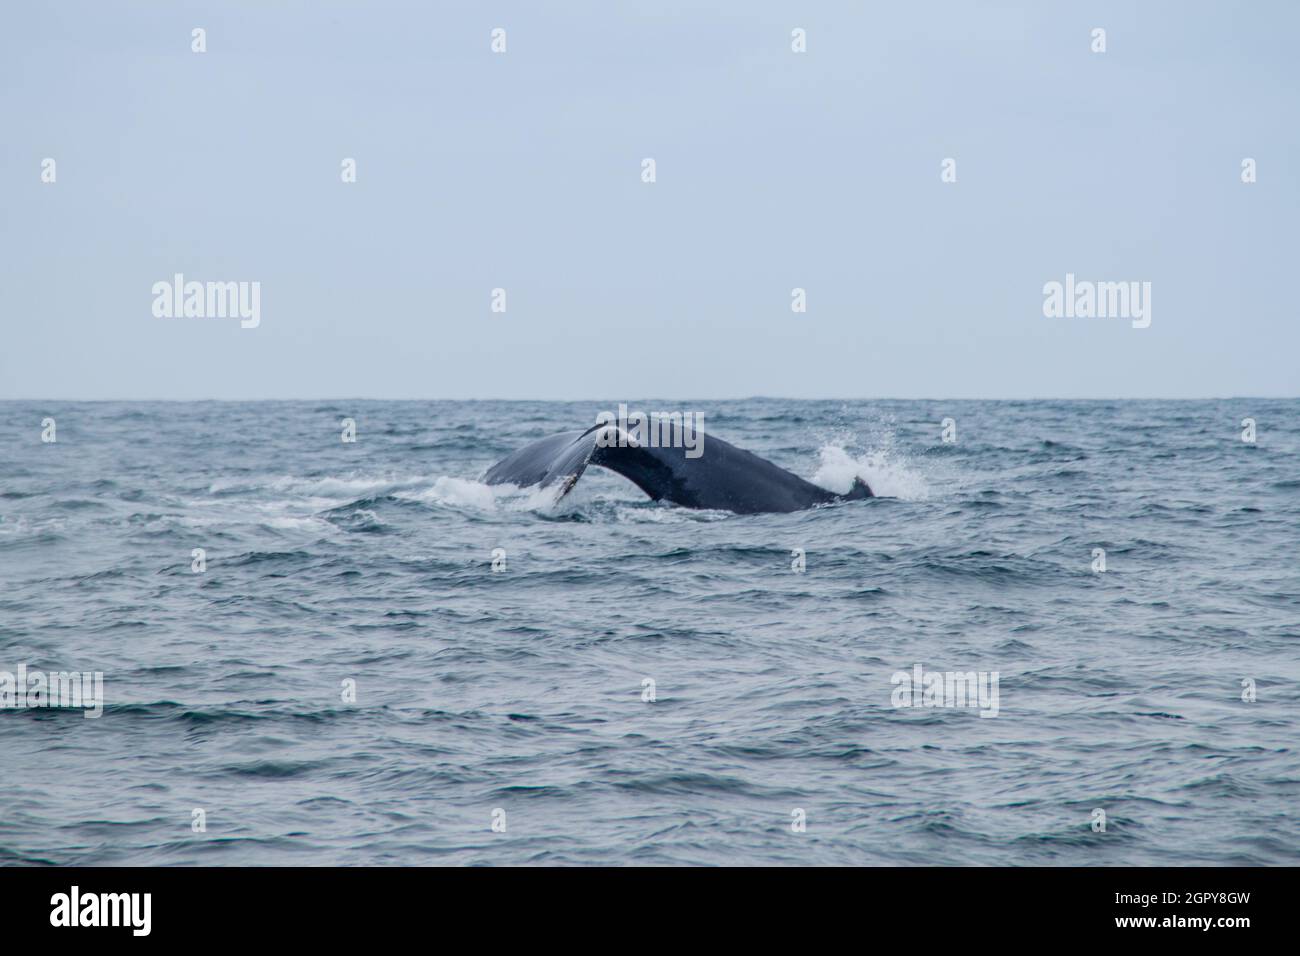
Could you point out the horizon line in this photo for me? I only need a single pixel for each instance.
(743, 398)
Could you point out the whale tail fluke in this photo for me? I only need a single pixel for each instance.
(722, 477)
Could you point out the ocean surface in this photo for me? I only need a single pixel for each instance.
(516, 696)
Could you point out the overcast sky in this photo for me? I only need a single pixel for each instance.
(523, 171)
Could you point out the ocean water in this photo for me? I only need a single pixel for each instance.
(516, 695)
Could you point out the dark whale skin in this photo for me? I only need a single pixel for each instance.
(723, 477)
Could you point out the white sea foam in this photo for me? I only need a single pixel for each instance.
(459, 493)
(351, 487)
(466, 493)
(320, 494)
(888, 474)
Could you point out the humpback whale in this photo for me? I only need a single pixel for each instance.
(724, 477)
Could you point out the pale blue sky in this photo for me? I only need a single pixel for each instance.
(522, 170)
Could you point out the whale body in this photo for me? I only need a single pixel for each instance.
(722, 477)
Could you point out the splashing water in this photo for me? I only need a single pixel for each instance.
(467, 493)
(888, 475)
